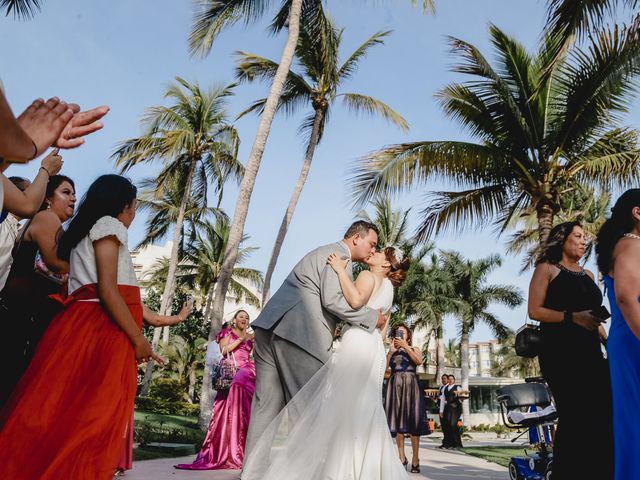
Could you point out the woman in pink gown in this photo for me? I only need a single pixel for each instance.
(223, 447)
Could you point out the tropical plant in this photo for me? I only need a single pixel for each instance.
(452, 353)
(318, 84)
(507, 363)
(196, 145)
(583, 205)
(186, 359)
(539, 136)
(475, 295)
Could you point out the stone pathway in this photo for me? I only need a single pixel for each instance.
(437, 465)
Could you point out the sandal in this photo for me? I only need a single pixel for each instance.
(415, 468)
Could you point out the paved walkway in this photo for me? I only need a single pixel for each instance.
(437, 465)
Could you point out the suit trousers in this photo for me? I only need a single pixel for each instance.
(282, 369)
(452, 437)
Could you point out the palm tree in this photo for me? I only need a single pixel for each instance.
(319, 83)
(474, 298)
(427, 296)
(452, 353)
(196, 144)
(211, 18)
(393, 225)
(507, 363)
(583, 205)
(203, 261)
(186, 360)
(539, 136)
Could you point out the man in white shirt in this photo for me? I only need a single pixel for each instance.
(441, 403)
(8, 234)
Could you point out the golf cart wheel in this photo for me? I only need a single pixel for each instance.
(514, 474)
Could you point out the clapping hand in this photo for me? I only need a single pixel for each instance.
(81, 125)
(44, 121)
(338, 264)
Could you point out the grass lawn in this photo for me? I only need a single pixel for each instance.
(499, 455)
(167, 422)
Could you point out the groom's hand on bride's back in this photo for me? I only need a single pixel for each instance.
(382, 319)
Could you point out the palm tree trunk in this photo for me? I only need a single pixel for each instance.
(207, 306)
(192, 385)
(545, 216)
(167, 295)
(464, 371)
(440, 365)
(246, 189)
(293, 202)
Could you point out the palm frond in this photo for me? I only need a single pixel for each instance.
(350, 65)
(370, 106)
(22, 9)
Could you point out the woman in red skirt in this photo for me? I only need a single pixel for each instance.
(66, 418)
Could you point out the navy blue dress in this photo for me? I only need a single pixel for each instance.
(404, 403)
(624, 362)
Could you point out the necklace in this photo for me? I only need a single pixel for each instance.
(578, 273)
(632, 235)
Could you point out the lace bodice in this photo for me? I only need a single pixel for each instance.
(83, 269)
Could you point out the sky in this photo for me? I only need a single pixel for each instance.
(125, 53)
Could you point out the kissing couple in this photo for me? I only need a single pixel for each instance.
(317, 410)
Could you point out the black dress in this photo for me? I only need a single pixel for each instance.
(25, 313)
(404, 403)
(573, 365)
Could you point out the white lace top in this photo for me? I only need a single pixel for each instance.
(83, 269)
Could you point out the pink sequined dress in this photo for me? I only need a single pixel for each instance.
(223, 447)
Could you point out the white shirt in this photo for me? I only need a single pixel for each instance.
(8, 234)
(83, 270)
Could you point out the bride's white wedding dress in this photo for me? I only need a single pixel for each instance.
(335, 428)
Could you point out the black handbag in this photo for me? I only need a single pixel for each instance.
(528, 341)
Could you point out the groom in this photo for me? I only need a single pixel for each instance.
(294, 331)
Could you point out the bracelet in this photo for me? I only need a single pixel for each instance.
(48, 173)
(568, 317)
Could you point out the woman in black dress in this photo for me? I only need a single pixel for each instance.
(562, 296)
(404, 405)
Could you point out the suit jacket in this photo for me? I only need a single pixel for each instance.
(451, 398)
(308, 305)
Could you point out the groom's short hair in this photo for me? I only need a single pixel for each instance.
(361, 227)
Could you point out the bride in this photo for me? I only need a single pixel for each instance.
(335, 427)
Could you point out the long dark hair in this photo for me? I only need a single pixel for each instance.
(552, 249)
(108, 195)
(52, 185)
(620, 222)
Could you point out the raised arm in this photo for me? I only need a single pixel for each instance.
(356, 293)
(333, 300)
(156, 320)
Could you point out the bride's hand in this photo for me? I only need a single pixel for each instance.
(337, 263)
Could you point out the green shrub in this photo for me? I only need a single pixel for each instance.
(155, 405)
(167, 389)
(147, 432)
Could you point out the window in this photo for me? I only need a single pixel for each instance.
(483, 399)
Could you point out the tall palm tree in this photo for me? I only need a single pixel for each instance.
(214, 15)
(318, 84)
(583, 205)
(196, 145)
(475, 296)
(427, 296)
(203, 261)
(452, 353)
(393, 225)
(539, 136)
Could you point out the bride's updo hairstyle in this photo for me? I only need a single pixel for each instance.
(399, 265)
(621, 221)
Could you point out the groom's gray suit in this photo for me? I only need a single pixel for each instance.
(294, 333)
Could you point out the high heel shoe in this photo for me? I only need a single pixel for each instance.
(415, 468)
(405, 463)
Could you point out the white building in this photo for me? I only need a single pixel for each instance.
(483, 387)
(145, 258)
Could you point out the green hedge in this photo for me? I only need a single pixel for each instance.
(154, 405)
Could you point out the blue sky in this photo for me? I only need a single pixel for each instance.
(124, 54)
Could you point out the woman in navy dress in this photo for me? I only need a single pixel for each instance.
(619, 261)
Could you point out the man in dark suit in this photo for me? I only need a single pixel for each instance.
(441, 402)
(452, 413)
